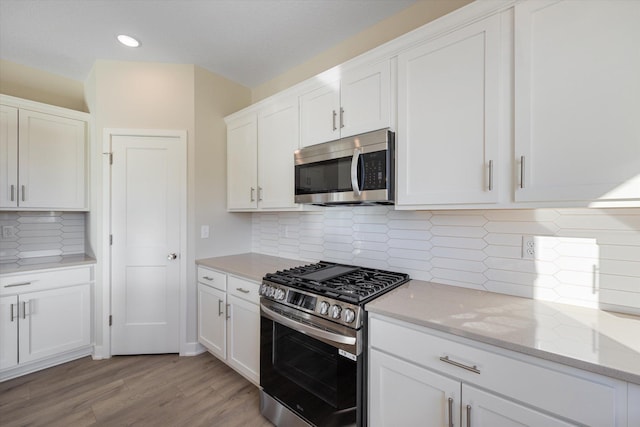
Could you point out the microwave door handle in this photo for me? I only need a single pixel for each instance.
(354, 172)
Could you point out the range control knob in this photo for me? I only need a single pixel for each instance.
(348, 315)
(263, 289)
(279, 294)
(324, 307)
(271, 291)
(335, 311)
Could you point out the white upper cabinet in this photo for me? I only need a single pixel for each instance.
(43, 156)
(359, 101)
(449, 118)
(278, 137)
(577, 92)
(8, 156)
(242, 160)
(319, 110)
(260, 150)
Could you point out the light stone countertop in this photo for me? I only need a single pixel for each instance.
(594, 340)
(42, 263)
(251, 266)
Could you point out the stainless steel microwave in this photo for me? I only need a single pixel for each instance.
(356, 170)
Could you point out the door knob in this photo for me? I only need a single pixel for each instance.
(172, 256)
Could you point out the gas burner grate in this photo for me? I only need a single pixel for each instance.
(356, 285)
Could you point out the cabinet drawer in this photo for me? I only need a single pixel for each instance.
(212, 278)
(28, 282)
(244, 289)
(578, 395)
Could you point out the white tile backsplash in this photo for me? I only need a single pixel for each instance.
(42, 234)
(588, 257)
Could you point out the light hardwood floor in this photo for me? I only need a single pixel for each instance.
(148, 390)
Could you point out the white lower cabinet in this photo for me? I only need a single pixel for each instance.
(45, 319)
(418, 376)
(229, 320)
(404, 394)
(212, 331)
(244, 337)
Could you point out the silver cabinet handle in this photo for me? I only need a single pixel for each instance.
(228, 312)
(24, 309)
(334, 120)
(521, 171)
(473, 368)
(468, 415)
(244, 291)
(354, 172)
(13, 316)
(219, 307)
(450, 412)
(490, 175)
(13, 285)
(259, 194)
(13, 190)
(207, 278)
(172, 256)
(253, 194)
(341, 117)
(24, 191)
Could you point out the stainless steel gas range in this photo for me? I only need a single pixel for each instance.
(313, 342)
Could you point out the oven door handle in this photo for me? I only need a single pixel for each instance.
(306, 329)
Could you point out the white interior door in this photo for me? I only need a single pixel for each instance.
(146, 225)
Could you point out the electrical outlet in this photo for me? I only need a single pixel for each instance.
(204, 232)
(528, 247)
(8, 232)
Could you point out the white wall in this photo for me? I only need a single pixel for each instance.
(588, 257)
(136, 95)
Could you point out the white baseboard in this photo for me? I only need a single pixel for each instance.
(192, 349)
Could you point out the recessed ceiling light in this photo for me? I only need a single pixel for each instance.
(128, 41)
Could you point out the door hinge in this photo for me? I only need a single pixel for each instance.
(110, 320)
(110, 239)
(110, 157)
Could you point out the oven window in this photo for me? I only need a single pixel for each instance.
(311, 364)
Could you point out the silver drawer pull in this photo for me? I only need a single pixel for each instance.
(473, 368)
(450, 401)
(244, 291)
(13, 285)
(207, 278)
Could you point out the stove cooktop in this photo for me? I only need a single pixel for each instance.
(356, 285)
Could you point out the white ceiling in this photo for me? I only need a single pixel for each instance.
(248, 41)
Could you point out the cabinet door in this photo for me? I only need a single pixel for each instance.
(8, 332)
(365, 98)
(52, 161)
(448, 118)
(319, 115)
(576, 100)
(488, 410)
(244, 337)
(8, 156)
(212, 320)
(404, 394)
(634, 405)
(54, 321)
(242, 163)
(278, 138)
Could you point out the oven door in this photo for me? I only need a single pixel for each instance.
(316, 371)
